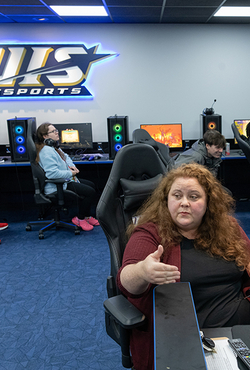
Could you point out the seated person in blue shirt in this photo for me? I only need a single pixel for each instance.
(58, 165)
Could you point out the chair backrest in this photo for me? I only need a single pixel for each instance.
(244, 146)
(135, 173)
(38, 173)
(30, 140)
(142, 136)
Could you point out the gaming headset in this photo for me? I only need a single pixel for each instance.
(51, 142)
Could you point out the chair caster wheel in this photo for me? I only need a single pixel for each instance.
(41, 236)
(28, 228)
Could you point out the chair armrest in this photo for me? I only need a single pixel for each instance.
(56, 181)
(59, 184)
(124, 312)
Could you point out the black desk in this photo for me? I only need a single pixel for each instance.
(176, 331)
(234, 173)
(17, 176)
(17, 188)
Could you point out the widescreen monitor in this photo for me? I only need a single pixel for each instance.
(75, 135)
(241, 125)
(166, 133)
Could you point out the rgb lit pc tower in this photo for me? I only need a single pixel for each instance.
(117, 134)
(17, 130)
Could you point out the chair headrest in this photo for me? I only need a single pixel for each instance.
(135, 192)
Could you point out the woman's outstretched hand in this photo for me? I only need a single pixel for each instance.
(156, 272)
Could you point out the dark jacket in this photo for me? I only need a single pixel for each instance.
(198, 154)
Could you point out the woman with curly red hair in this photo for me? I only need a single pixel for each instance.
(186, 232)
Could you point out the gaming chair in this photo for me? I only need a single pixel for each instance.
(135, 173)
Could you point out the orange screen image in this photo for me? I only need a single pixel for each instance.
(168, 134)
(70, 136)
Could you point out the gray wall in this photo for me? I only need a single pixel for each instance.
(164, 73)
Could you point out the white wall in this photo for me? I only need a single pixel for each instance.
(164, 73)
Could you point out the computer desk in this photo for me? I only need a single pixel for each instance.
(234, 173)
(17, 186)
(17, 176)
(177, 339)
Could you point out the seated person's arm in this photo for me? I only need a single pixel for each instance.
(188, 157)
(52, 164)
(71, 164)
(136, 278)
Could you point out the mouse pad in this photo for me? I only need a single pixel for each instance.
(176, 331)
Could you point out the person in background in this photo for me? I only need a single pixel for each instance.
(58, 164)
(206, 151)
(186, 232)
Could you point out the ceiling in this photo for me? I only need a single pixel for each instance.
(123, 11)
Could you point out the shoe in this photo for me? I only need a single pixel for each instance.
(3, 225)
(82, 223)
(92, 221)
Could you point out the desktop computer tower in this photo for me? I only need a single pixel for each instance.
(211, 122)
(117, 134)
(17, 130)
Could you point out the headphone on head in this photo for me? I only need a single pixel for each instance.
(51, 142)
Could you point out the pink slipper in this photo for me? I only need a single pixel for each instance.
(92, 221)
(82, 223)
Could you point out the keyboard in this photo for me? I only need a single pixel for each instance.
(86, 157)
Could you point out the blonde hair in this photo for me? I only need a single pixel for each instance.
(219, 233)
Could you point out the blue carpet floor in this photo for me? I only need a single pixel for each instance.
(51, 299)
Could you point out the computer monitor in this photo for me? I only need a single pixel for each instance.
(75, 135)
(166, 133)
(241, 125)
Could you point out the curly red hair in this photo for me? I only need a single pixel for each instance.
(219, 233)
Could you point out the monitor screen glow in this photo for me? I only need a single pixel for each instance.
(241, 125)
(75, 135)
(167, 133)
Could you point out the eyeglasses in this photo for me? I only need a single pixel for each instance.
(52, 132)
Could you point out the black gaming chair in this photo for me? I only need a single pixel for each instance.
(142, 136)
(55, 201)
(135, 173)
(244, 146)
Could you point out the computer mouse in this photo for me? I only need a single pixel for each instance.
(91, 158)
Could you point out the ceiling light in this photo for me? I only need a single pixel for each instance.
(37, 19)
(80, 11)
(233, 11)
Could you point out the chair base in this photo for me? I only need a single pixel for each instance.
(51, 224)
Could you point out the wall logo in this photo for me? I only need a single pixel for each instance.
(32, 70)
